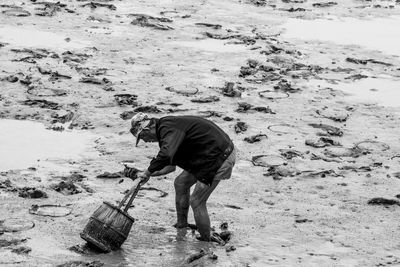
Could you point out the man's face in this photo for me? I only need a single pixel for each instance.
(148, 135)
(133, 131)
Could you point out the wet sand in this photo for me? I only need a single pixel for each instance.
(307, 74)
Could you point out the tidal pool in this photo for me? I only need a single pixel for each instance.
(381, 34)
(30, 37)
(381, 91)
(26, 144)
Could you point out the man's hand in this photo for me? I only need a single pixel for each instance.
(143, 176)
(130, 172)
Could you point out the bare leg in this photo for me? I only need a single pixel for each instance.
(182, 185)
(198, 202)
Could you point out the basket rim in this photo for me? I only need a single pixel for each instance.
(119, 210)
(95, 242)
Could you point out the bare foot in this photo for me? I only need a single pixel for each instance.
(186, 225)
(213, 238)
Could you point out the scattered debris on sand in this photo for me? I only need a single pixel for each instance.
(330, 130)
(42, 103)
(268, 160)
(66, 188)
(230, 248)
(88, 66)
(244, 107)
(290, 153)
(50, 210)
(31, 192)
(143, 20)
(278, 172)
(162, 193)
(325, 4)
(240, 127)
(11, 242)
(322, 142)
(233, 207)
(255, 138)
(15, 225)
(305, 220)
(126, 99)
(49, 9)
(110, 175)
(383, 201)
(148, 109)
(207, 99)
(209, 25)
(21, 250)
(16, 12)
(81, 264)
(197, 256)
(94, 5)
(85, 249)
(229, 90)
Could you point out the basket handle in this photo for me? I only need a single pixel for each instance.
(132, 192)
(135, 191)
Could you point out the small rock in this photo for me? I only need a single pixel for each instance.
(302, 220)
(212, 256)
(230, 248)
(224, 226)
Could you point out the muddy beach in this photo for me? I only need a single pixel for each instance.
(308, 90)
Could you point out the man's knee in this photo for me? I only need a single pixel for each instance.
(183, 181)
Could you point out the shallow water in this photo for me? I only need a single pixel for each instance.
(167, 248)
(381, 91)
(26, 144)
(30, 37)
(381, 34)
(212, 45)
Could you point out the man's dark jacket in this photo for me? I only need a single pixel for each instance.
(194, 144)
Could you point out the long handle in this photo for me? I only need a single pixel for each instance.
(133, 196)
(126, 197)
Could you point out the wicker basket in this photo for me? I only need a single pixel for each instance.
(109, 226)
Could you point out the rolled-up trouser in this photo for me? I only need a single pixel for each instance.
(225, 171)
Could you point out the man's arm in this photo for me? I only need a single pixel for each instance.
(170, 140)
(164, 171)
(145, 176)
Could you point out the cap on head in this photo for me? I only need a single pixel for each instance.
(138, 123)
